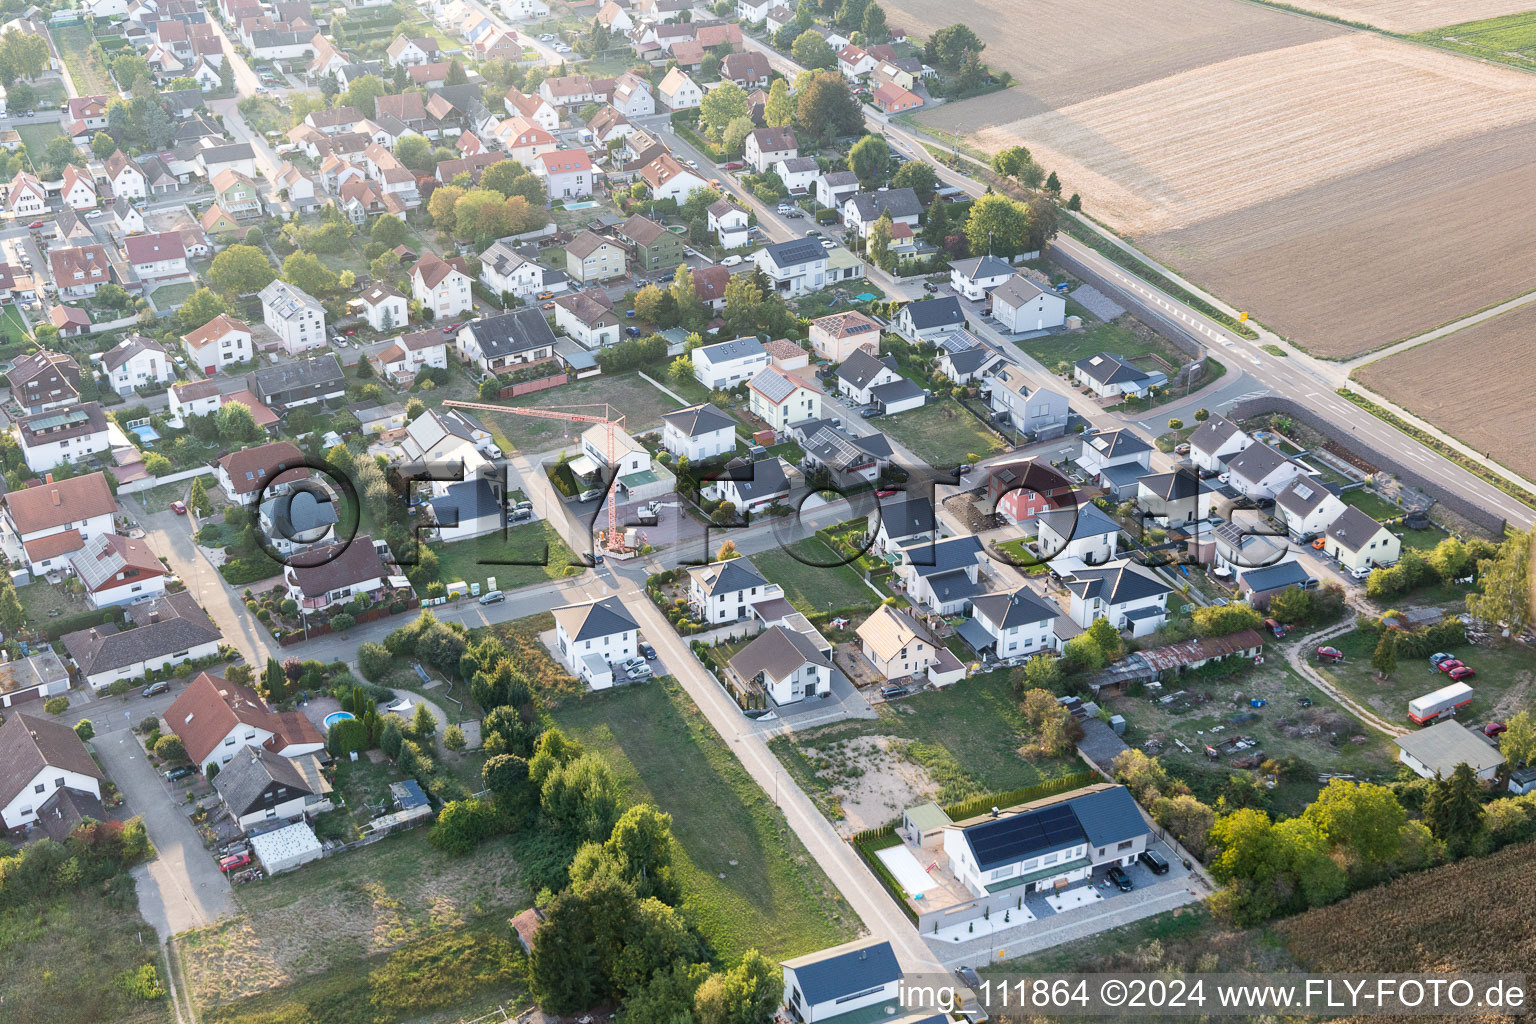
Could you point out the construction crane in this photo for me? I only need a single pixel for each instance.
(614, 540)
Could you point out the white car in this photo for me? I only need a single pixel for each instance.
(827, 243)
(92, 215)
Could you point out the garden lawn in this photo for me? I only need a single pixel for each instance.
(171, 296)
(90, 77)
(640, 403)
(1502, 685)
(826, 584)
(12, 325)
(539, 553)
(1115, 337)
(64, 956)
(1371, 503)
(772, 897)
(942, 434)
(35, 137)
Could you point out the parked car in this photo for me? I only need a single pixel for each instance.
(647, 652)
(545, 295)
(590, 494)
(1274, 627)
(1436, 658)
(892, 692)
(1463, 672)
(1181, 449)
(1494, 728)
(1122, 880)
(1329, 655)
(1449, 665)
(154, 689)
(181, 771)
(1305, 702)
(1154, 862)
(968, 975)
(633, 332)
(929, 286)
(732, 261)
(235, 862)
(734, 165)
(885, 492)
(494, 597)
(179, 507)
(827, 243)
(1360, 573)
(35, 225)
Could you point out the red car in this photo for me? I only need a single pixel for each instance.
(235, 862)
(1494, 728)
(1450, 665)
(548, 305)
(1328, 655)
(734, 165)
(885, 493)
(35, 225)
(179, 507)
(1462, 672)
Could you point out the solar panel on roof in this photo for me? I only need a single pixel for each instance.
(1008, 840)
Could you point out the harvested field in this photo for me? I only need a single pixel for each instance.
(1414, 15)
(1248, 130)
(1485, 367)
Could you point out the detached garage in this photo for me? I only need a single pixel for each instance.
(286, 848)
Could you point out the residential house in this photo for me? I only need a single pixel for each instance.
(862, 209)
(78, 272)
(1109, 376)
(845, 979)
(126, 218)
(523, 140)
(505, 270)
(384, 308)
(1084, 533)
(296, 317)
(609, 126)
(729, 223)
(749, 69)
(194, 398)
(1130, 597)
(469, 508)
(854, 62)
(929, 318)
(44, 380)
(308, 381)
(796, 267)
(709, 284)
(592, 637)
(834, 187)
(116, 570)
(213, 159)
(1021, 305)
(160, 258)
(848, 462)
(125, 178)
(1117, 459)
(1020, 489)
(219, 344)
(1176, 497)
(1020, 624)
(679, 92)
(535, 107)
(1013, 396)
(727, 591)
(453, 436)
(862, 372)
(726, 364)
(749, 486)
(1259, 585)
(217, 720)
(497, 343)
(899, 648)
(566, 173)
(786, 664)
(899, 523)
(402, 359)
(52, 438)
(591, 258)
(668, 179)
(404, 52)
(767, 146)
(893, 99)
(654, 249)
(1359, 543)
(1436, 752)
(43, 525)
(45, 771)
(325, 577)
(798, 173)
(1214, 442)
(26, 196)
(588, 317)
(136, 362)
(964, 360)
(245, 475)
(752, 12)
(942, 575)
(167, 630)
(1306, 507)
(974, 278)
(260, 786)
(632, 96)
(79, 189)
(442, 286)
(1260, 472)
(698, 432)
(297, 187)
(779, 398)
(567, 90)
(838, 336)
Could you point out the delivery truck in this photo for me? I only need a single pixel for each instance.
(1443, 703)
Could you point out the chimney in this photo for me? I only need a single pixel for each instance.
(49, 479)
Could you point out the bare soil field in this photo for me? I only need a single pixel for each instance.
(1475, 384)
(1045, 46)
(1414, 15)
(1443, 233)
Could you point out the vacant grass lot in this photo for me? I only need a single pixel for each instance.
(1502, 685)
(1117, 337)
(942, 434)
(63, 962)
(1371, 503)
(640, 403)
(35, 137)
(747, 881)
(90, 77)
(334, 913)
(966, 737)
(535, 551)
(171, 296)
(816, 581)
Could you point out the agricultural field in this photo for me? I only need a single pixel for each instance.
(1508, 40)
(748, 882)
(1415, 15)
(1503, 684)
(1271, 157)
(1481, 385)
(308, 927)
(942, 434)
(946, 745)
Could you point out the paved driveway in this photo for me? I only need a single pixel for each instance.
(182, 887)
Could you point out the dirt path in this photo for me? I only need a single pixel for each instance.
(1297, 657)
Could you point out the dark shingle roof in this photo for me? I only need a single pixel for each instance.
(907, 518)
(1109, 816)
(180, 625)
(1353, 528)
(929, 313)
(853, 967)
(1115, 585)
(1019, 608)
(1107, 368)
(597, 619)
(697, 420)
(898, 202)
(241, 782)
(518, 331)
(727, 577)
(29, 744)
(861, 368)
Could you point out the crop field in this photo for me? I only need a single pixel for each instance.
(1270, 157)
(1508, 40)
(1485, 367)
(1413, 15)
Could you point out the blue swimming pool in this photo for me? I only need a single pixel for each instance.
(581, 206)
(146, 433)
(334, 717)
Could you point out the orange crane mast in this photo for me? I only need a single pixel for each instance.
(614, 540)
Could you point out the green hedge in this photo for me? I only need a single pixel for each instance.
(84, 620)
(1039, 791)
(866, 852)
